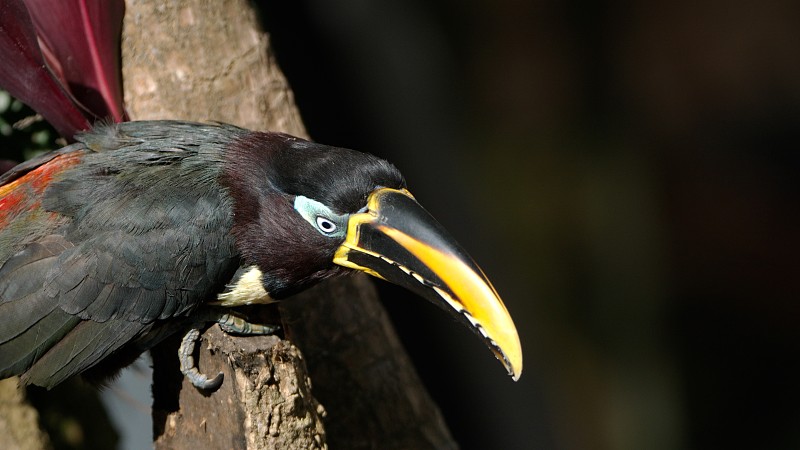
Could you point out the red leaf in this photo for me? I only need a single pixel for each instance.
(25, 76)
(80, 40)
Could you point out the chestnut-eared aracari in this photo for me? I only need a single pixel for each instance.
(139, 229)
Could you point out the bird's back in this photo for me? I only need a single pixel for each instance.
(102, 242)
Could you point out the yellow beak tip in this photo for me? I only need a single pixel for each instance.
(516, 374)
(515, 370)
(511, 361)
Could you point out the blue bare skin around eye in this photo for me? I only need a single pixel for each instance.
(311, 210)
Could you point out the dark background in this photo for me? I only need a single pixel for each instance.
(625, 173)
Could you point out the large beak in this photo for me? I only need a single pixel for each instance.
(397, 240)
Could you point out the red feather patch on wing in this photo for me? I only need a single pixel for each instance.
(25, 193)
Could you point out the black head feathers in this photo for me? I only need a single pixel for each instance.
(337, 177)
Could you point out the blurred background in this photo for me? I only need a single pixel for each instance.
(624, 172)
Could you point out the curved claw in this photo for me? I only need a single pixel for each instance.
(188, 368)
(201, 381)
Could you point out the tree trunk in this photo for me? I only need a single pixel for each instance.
(19, 421)
(198, 60)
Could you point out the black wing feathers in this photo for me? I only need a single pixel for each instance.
(25, 349)
(22, 299)
(85, 345)
(142, 236)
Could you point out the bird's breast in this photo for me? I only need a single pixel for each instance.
(246, 288)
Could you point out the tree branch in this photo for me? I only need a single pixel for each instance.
(199, 60)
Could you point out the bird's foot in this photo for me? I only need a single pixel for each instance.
(231, 323)
(236, 324)
(188, 368)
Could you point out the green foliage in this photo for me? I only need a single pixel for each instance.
(23, 133)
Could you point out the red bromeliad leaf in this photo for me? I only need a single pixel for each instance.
(25, 76)
(80, 41)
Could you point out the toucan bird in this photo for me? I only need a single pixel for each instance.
(111, 244)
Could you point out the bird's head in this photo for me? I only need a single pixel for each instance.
(304, 212)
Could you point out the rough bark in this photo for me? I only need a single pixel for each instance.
(265, 401)
(361, 373)
(206, 61)
(199, 60)
(19, 421)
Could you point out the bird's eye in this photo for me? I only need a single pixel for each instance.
(325, 221)
(325, 225)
